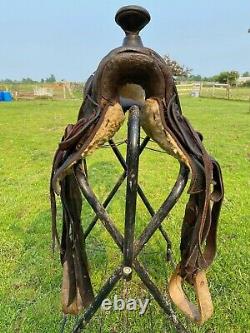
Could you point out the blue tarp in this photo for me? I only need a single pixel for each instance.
(5, 96)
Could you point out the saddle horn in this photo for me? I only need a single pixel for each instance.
(132, 19)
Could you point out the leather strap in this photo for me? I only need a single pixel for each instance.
(204, 309)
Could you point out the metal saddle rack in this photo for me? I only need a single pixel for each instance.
(135, 79)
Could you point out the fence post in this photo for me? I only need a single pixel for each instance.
(200, 89)
(64, 91)
(228, 92)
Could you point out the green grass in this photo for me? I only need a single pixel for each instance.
(30, 274)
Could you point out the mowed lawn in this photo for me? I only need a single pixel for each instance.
(30, 275)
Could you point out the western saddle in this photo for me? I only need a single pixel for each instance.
(135, 75)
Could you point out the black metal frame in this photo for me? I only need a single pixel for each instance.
(130, 247)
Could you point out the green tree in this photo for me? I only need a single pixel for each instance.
(7, 81)
(221, 77)
(227, 77)
(246, 74)
(176, 68)
(28, 80)
(195, 78)
(232, 77)
(51, 78)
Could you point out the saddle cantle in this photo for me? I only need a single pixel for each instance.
(133, 74)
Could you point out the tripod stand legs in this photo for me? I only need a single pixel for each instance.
(126, 243)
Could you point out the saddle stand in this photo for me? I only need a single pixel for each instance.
(127, 244)
(108, 96)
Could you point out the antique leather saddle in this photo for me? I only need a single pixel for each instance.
(133, 74)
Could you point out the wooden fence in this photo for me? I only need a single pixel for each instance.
(214, 90)
(69, 90)
(57, 90)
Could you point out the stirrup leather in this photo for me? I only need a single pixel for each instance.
(204, 309)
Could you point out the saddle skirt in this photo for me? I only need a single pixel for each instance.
(135, 75)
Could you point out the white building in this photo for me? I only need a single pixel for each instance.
(243, 79)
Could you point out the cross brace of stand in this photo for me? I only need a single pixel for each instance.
(127, 244)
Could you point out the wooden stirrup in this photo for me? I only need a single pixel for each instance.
(201, 313)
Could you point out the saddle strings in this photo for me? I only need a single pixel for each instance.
(119, 143)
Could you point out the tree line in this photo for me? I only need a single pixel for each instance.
(49, 79)
(181, 72)
(229, 77)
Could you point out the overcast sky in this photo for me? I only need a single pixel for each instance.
(69, 37)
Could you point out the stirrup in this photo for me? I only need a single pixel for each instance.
(201, 313)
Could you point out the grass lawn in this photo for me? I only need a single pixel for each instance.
(30, 274)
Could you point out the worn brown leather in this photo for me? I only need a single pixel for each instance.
(144, 67)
